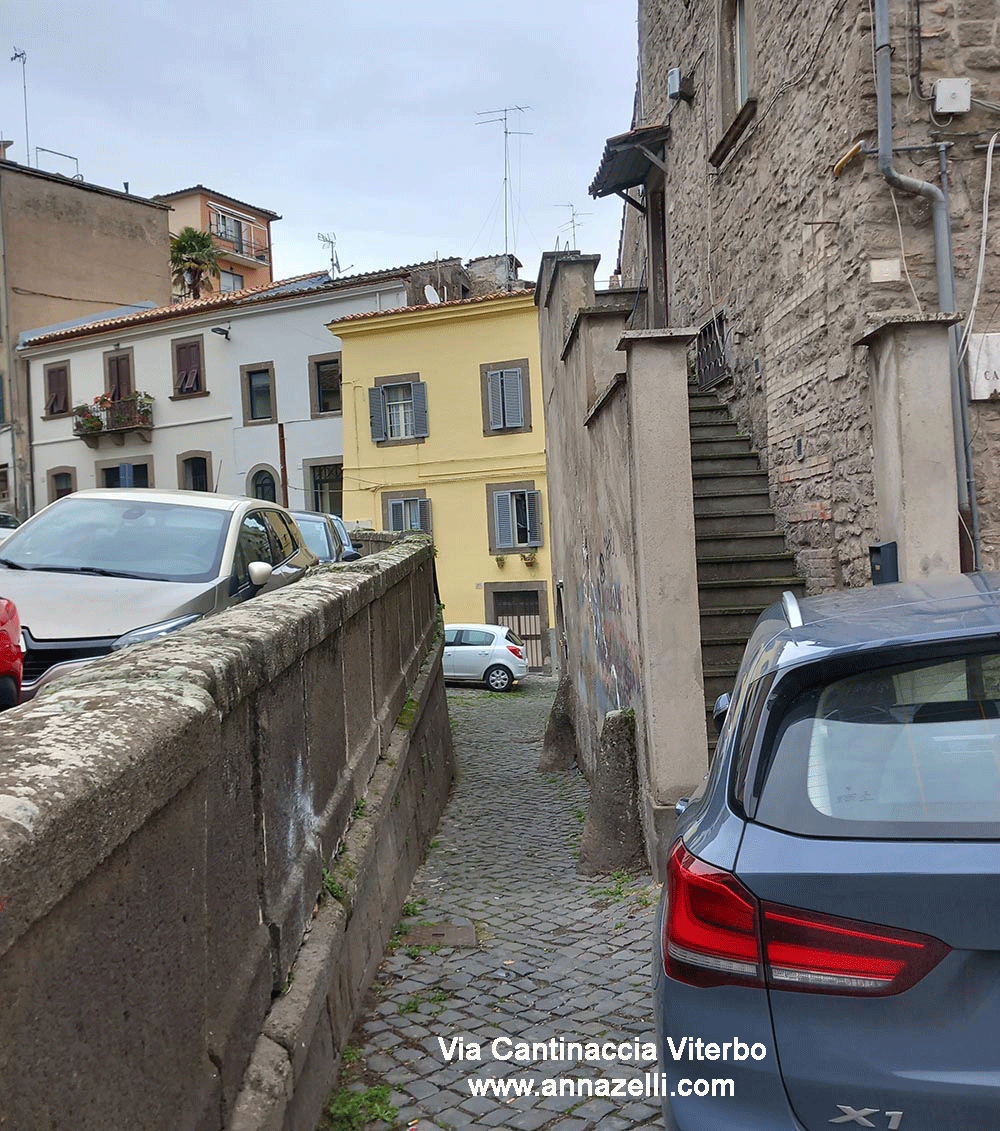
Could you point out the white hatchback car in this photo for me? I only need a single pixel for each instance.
(484, 653)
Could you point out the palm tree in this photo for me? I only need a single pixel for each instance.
(194, 258)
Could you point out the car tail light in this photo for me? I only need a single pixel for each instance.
(716, 932)
(517, 651)
(825, 954)
(710, 929)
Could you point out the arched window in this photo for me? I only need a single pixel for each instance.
(264, 486)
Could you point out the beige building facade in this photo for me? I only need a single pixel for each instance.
(68, 249)
(241, 232)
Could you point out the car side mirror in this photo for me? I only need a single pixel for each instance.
(720, 710)
(350, 556)
(260, 573)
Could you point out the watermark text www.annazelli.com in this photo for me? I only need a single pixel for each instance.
(635, 1054)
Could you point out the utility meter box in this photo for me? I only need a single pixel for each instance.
(953, 96)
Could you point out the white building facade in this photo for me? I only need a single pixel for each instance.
(236, 393)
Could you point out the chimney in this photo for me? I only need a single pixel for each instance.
(4, 146)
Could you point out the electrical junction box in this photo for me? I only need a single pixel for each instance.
(674, 82)
(953, 96)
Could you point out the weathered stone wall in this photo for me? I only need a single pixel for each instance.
(367, 541)
(166, 815)
(623, 552)
(590, 511)
(788, 249)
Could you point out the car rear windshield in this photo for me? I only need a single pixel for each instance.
(909, 751)
(316, 535)
(514, 638)
(154, 540)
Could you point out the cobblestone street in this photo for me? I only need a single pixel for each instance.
(546, 955)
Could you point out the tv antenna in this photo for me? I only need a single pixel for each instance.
(571, 222)
(330, 239)
(23, 56)
(501, 116)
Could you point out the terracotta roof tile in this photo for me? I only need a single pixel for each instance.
(221, 195)
(248, 296)
(491, 297)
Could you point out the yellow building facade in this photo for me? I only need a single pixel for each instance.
(443, 431)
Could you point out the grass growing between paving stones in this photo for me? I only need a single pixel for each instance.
(349, 1110)
(435, 997)
(623, 886)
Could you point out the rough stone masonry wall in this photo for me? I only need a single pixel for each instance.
(785, 248)
(165, 818)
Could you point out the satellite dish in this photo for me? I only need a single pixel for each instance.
(431, 294)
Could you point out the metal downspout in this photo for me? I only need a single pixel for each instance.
(942, 249)
(960, 379)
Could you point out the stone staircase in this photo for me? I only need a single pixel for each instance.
(743, 565)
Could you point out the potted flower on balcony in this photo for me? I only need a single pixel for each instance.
(144, 409)
(86, 418)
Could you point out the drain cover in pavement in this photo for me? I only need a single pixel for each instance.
(441, 934)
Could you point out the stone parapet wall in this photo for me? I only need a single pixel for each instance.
(166, 816)
(368, 541)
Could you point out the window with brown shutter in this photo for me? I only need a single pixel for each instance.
(56, 390)
(187, 369)
(119, 376)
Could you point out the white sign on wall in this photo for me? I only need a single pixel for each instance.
(984, 366)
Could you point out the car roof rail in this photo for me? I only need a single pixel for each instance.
(790, 605)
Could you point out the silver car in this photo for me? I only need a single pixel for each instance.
(322, 533)
(98, 570)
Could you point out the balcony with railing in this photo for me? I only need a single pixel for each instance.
(242, 238)
(116, 418)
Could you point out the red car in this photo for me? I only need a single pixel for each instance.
(11, 655)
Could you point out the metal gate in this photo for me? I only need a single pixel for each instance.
(518, 609)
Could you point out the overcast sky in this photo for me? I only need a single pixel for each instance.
(345, 117)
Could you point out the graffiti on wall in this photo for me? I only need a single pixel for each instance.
(605, 629)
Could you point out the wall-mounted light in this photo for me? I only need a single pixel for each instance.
(223, 330)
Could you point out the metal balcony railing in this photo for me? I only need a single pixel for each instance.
(245, 238)
(130, 413)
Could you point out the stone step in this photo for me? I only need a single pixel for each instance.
(721, 429)
(736, 544)
(712, 446)
(747, 593)
(721, 483)
(732, 503)
(761, 567)
(717, 682)
(715, 523)
(726, 463)
(709, 414)
(734, 621)
(698, 399)
(723, 651)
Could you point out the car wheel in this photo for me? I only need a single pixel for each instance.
(8, 692)
(498, 679)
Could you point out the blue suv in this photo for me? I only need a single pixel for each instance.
(828, 938)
